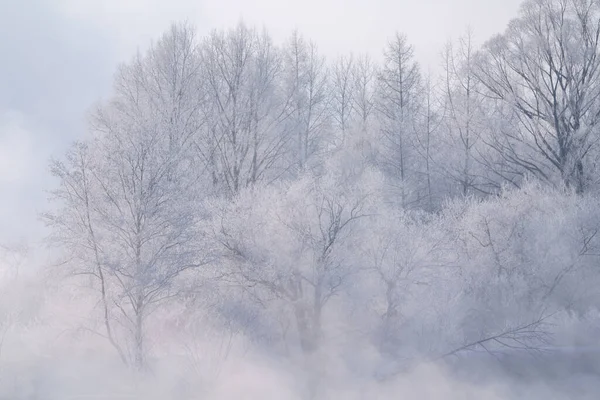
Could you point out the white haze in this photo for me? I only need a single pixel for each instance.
(250, 212)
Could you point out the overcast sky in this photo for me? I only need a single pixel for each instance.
(58, 57)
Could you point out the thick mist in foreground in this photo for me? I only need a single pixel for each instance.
(468, 329)
(246, 219)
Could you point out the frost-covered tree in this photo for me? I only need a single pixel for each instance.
(126, 204)
(526, 256)
(407, 255)
(306, 86)
(398, 101)
(430, 146)
(291, 244)
(546, 68)
(364, 75)
(342, 96)
(245, 136)
(213, 199)
(464, 123)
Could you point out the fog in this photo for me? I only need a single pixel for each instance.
(265, 210)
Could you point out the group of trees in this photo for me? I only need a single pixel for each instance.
(305, 198)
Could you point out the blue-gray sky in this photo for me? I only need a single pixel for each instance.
(58, 58)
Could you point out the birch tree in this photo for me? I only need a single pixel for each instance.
(126, 212)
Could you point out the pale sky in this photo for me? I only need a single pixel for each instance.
(58, 57)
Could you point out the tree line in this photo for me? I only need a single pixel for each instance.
(304, 199)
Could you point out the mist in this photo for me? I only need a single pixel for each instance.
(251, 212)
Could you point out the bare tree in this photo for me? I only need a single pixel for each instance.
(430, 119)
(343, 93)
(364, 75)
(463, 103)
(546, 66)
(74, 229)
(245, 137)
(399, 86)
(126, 200)
(406, 253)
(289, 244)
(306, 82)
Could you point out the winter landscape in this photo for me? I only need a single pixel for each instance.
(245, 209)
